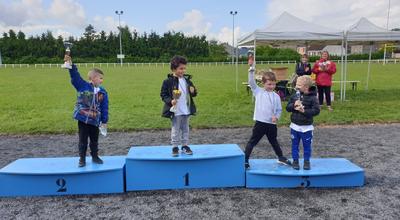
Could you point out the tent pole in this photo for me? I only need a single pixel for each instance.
(341, 69)
(369, 66)
(384, 55)
(236, 66)
(255, 53)
(345, 72)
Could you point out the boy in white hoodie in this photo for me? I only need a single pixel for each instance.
(267, 111)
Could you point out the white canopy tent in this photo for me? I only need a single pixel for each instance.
(287, 29)
(365, 32)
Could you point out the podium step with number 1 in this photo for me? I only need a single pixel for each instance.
(216, 165)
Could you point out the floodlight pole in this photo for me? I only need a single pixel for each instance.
(233, 13)
(119, 13)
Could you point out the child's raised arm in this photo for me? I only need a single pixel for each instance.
(76, 78)
(251, 80)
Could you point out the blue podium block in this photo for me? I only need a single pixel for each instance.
(210, 166)
(327, 172)
(62, 176)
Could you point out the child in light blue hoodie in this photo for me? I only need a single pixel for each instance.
(267, 111)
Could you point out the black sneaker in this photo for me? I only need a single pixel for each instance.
(307, 165)
(82, 162)
(175, 151)
(96, 159)
(296, 165)
(284, 161)
(187, 150)
(246, 165)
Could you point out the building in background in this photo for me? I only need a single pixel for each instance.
(315, 50)
(334, 50)
(362, 49)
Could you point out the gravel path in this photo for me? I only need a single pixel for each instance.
(373, 147)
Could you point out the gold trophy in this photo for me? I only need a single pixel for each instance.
(67, 64)
(176, 93)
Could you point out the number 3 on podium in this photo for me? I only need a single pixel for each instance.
(186, 178)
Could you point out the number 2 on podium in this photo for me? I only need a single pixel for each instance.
(62, 184)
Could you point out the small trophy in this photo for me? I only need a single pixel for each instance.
(103, 130)
(176, 93)
(298, 98)
(250, 56)
(67, 64)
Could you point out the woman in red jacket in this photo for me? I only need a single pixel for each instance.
(324, 69)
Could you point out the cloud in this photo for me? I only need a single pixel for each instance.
(69, 12)
(33, 17)
(34, 29)
(339, 14)
(21, 12)
(193, 23)
(107, 23)
(225, 35)
(63, 33)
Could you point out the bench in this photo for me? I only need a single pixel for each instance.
(352, 82)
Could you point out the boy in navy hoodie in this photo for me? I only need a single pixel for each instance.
(91, 110)
(304, 106)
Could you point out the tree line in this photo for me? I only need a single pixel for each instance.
(94, 46)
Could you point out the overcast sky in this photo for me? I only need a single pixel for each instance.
(209, 17)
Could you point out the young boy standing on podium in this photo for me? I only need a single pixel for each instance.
(177, 93)
(304, 106)
(91, 110)
(267, 110)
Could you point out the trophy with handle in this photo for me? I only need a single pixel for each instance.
(67, 64)
(176, 93)
(250, 56)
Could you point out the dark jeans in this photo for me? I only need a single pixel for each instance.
(259, 130)
(88, 131)
(324, 90)
(306, 138)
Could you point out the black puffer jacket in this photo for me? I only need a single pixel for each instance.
(168, 86)
(311, 107)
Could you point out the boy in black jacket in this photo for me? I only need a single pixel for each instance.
(177, 93)
(304, 106)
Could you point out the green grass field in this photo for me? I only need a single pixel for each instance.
(41, 100)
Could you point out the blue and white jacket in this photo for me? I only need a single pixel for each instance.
(89, 108)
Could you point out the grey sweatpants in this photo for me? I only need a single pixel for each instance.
(180, 130)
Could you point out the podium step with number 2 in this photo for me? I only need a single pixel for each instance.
(62, 176)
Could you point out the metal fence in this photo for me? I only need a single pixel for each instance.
(89, 65)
